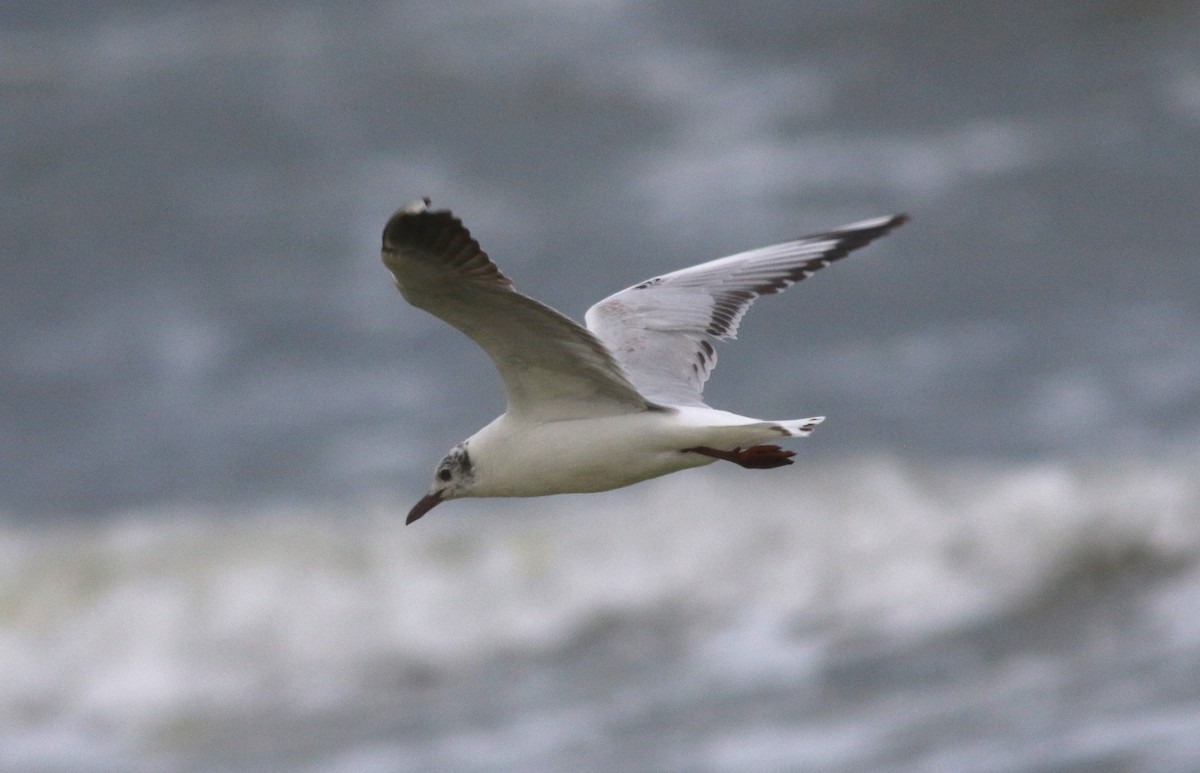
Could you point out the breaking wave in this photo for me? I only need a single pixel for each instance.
(118, 628)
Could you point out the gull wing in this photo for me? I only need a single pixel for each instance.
(552, 367)
(658, 329)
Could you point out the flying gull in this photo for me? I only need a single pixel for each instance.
(614, 403)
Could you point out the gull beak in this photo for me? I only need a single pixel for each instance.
(427, 503)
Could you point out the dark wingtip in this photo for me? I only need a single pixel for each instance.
(874, 228)
(403, 220)
(442, 237)
(856, 235)
(896, 221)
(437, 230)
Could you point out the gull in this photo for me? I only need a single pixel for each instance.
(618, 401)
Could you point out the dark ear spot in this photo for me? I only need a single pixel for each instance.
(445, 474)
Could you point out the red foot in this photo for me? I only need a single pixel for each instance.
(754, 457)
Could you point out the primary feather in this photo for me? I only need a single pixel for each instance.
(658, 329)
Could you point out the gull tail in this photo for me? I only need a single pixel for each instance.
(750, 451)
(797, 427)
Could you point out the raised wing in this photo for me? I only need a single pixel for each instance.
(552, 368)
(658, 330)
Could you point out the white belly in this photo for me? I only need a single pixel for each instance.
(513, 458)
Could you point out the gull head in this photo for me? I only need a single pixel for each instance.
(453, 477)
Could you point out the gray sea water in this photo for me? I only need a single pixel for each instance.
(216, 409)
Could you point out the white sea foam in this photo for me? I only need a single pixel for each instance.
(128, 627)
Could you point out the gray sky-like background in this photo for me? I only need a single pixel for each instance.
(193, 307)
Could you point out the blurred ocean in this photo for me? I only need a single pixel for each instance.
(216, 409)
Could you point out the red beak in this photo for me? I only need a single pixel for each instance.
(427, 503)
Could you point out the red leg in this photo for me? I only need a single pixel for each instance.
(754, 457)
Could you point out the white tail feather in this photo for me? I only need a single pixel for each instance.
(800, 427)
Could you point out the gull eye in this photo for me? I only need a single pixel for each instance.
(445, 474)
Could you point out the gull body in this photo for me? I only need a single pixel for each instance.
(615, 403)
(598, 454)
